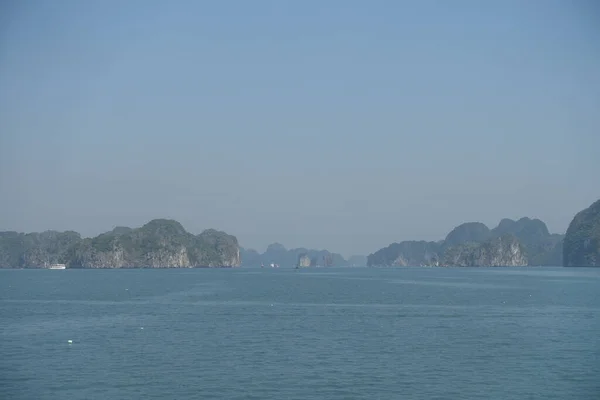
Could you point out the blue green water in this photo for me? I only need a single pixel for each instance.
(404, 333)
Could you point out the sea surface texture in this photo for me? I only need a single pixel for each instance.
(354, 333)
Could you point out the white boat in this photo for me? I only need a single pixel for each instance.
(57, 266)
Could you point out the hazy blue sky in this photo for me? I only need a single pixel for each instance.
(344, 125)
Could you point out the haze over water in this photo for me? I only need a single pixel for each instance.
(410, 333)
(344, 125)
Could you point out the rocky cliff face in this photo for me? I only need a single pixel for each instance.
(512, 243)
(582, 242)
(542, 247)
(214, 248)
(34, 250)
(304, 260)
(503, 251)
(158, 244)
(409, 253)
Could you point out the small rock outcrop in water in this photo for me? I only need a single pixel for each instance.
(277, 253)
(303, 260)
(160, 243)
(582, 241)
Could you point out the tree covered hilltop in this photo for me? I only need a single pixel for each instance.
(161, 243)
(511, 243)
(164, 243)
(582, 241)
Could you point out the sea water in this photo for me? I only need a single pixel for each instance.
(326, 333)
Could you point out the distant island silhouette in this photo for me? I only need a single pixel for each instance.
(511, 243)
(164, 243)
(525, 242)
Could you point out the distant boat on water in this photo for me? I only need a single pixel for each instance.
(57, 266)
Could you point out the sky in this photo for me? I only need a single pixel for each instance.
(345, 125)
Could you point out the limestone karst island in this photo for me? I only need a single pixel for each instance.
(163, 243)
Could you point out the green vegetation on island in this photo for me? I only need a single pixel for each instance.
(512, 243)
(164, 243)
(27, 250)
(469, 232)
(501, 251)
(582, 241)
(161, 243)
(408, 253)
